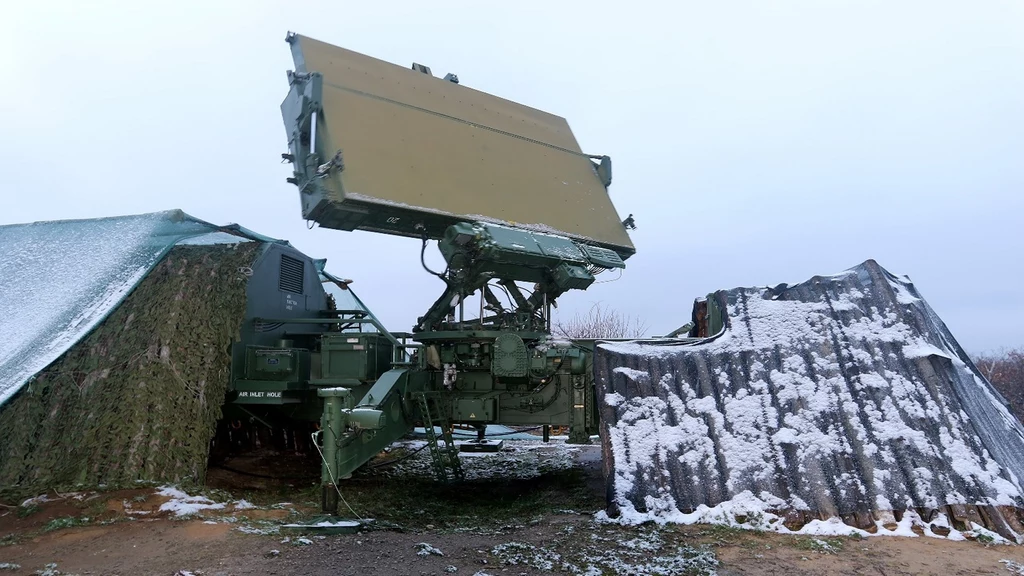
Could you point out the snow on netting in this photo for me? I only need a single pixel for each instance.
(842, 397)
(59, 279)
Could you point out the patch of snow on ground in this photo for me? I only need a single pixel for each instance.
(523, 554)
(326, 524)
(264, 530)
(425, 549)
(49, 570)
(181, 504)
(338, 524)
(517, 459)
(1013, 567)
(35, 501)
(604, 552)
(756, 514)
(823, 546)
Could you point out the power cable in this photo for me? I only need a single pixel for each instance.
(331, 476)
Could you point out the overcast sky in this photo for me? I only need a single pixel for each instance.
(758, 143)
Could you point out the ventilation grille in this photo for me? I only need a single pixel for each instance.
(292, 273)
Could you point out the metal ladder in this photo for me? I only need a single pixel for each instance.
(445, 460)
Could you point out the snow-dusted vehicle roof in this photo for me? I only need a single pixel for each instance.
(843, 396)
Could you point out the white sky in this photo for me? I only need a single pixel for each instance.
(754, 142)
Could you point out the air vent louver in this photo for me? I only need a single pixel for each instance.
(292, 273)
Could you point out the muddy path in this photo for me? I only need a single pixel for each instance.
(533, 515)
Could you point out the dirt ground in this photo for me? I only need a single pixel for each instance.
(534, 518)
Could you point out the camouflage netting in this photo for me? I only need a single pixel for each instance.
(138, 398)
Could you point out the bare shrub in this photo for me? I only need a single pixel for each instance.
(600, 322)
(1005, 370)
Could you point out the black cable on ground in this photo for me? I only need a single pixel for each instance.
(512, 432)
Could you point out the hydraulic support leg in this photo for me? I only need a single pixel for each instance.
(331, 425)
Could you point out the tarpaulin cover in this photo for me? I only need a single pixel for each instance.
(59, 279)
(843, 396)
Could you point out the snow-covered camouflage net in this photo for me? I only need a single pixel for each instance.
(60, 279)
(137, 398)
(842, 397)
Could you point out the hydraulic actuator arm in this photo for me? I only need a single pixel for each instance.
(479, 253)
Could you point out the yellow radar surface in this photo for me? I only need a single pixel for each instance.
(417, 147)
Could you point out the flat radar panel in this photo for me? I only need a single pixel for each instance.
(399, 151)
